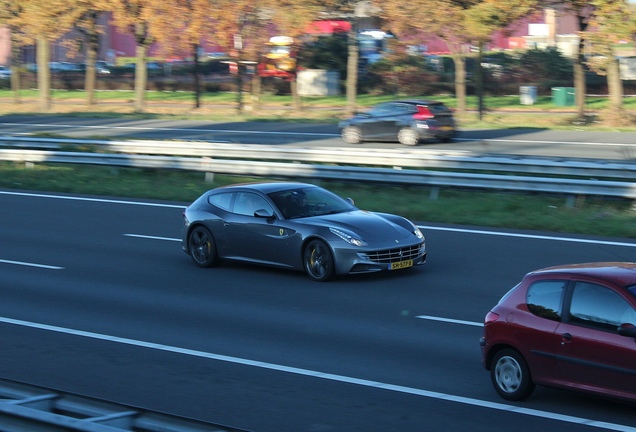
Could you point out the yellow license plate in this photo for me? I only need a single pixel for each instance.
(401, 264)
(446, 128)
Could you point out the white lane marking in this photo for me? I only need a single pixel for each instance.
(468, 231)
(28, 264)
(529, 236)
(103, 200)
(433, 228)
(449, 320)
(545, 142)
(152, 237)
(326, 376)
(494, 233)
(169, 129)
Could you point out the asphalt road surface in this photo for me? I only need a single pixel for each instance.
(99, 299)
(533, 142)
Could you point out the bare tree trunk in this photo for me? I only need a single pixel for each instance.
(15, 68)
(197, 84)
(295, 95)
(143, 42)
(141, 78)
(44, 73)
(579, 87)
(479, 81)
(579, 76)
(460, 82)
(352, 72)
(239, 87)
(614, 85)
(89, 77)
(92, 39)
(256, 91)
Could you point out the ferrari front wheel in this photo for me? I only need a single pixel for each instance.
(318, 261)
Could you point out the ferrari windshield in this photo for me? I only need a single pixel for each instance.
(310, 201)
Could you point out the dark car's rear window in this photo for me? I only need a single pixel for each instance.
(439, 109)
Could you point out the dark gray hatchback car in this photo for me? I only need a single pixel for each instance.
(406, 121)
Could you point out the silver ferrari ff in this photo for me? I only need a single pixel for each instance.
(297, 226)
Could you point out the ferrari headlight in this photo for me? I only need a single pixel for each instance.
(418, 233)
(348, 238)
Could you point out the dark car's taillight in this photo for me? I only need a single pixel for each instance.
(491, 317)
(423, 113)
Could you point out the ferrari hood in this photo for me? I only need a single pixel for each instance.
(368, 225)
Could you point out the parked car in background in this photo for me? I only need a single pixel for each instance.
(297, 226)
(571, 327)
(406, 121)
(101, 67)
(5, 72)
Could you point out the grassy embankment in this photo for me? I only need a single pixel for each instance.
(520, 211)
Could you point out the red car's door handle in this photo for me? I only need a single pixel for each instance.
(566, 338)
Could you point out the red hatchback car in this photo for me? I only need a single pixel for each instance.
(571, 326)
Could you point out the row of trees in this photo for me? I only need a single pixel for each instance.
(242, 27)
(602, 24)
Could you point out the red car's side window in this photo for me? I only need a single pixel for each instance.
(599, 307)
(545, 299)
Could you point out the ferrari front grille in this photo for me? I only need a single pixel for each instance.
(395, 255)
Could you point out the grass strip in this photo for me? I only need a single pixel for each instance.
(547, 213)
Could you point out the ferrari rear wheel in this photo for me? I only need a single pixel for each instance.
(202, 248)
(318, 261)
(352, 135)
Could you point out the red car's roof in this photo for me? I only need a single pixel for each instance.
(620, 273)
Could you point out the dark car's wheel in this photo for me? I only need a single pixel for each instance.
(510, 375)
(318, 261)
(202, 248)
(352, 135)
(408, 136)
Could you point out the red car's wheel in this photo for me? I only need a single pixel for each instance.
(510, 375)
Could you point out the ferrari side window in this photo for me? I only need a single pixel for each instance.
(221, 200)
(247, 203)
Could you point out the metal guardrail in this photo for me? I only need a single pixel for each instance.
(25, 407)
(415, 157)
(354, 165)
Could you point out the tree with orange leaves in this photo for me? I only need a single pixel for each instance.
(134, 17)
(460, 23)
(88, 26)
(10, 10)
(613, 21)
(43, 21)
(242, 28)
(291, 18)
(483, 20)
(181, 26)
